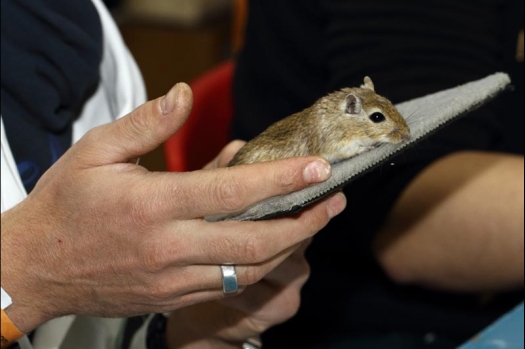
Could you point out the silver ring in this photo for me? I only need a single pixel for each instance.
(229, 279)
(252, 344)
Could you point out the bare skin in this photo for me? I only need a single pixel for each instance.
(100, 235)
(230, 322)
(459, 226)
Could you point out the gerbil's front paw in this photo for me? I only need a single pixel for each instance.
(363, 149)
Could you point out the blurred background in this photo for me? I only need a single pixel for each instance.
(178, 40)
(175, 41)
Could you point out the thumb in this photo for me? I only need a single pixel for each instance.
(142, 130)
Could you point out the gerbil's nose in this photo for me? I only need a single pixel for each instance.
(400, 135)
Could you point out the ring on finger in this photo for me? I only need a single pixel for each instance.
(230, 283)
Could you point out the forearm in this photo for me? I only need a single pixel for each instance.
(459, 226)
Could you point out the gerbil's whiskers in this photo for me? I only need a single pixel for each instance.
(411, 116)
(415, 114)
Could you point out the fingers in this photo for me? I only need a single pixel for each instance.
(288, 277)
(255, 310)
(228, 190)
(248, 243)
(226, 155)
(264, 297)
(209, 277)
(204, 281)
(293, 272)
(178, 302)
(142, 130)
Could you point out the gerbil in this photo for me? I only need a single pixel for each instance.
(337, 127)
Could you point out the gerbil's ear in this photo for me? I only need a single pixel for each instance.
(369, 84)
(353, 104)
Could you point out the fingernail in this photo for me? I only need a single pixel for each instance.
(317, 171)
(336, 205)
(169, 101)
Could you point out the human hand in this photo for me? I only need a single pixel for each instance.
(102, 236)
(230, 322)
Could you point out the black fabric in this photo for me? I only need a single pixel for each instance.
(296, 52)
(112, 3)
(512, 106)
(133, 324)
(51, 53)
(155, 335)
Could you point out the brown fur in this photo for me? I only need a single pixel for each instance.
(326, 129)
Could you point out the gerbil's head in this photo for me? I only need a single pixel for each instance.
(370, 115)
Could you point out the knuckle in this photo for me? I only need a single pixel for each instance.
(153, 258)
(256, 325)
(89, 140)
(138, 212)
(137, 123)
(293, 304)
(92, 135)
(315, 220)
(254, 250)
(286, 180)
(142, 213)
(229, 194)
(252, 275)
(160, 291)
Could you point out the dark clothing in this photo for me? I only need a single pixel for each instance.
(51, 53)
(298, 51)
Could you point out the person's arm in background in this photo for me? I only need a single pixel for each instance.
(459, 225)
(424, 56)
(410, 50)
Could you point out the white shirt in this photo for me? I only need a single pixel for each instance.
(121, 89)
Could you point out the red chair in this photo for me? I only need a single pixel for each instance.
(207, 130)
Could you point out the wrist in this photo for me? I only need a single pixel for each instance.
(10, 333)
(26, 312)
(25, 318)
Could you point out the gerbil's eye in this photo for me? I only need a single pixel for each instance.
(377, 118)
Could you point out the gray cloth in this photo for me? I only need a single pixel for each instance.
(424, 116)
